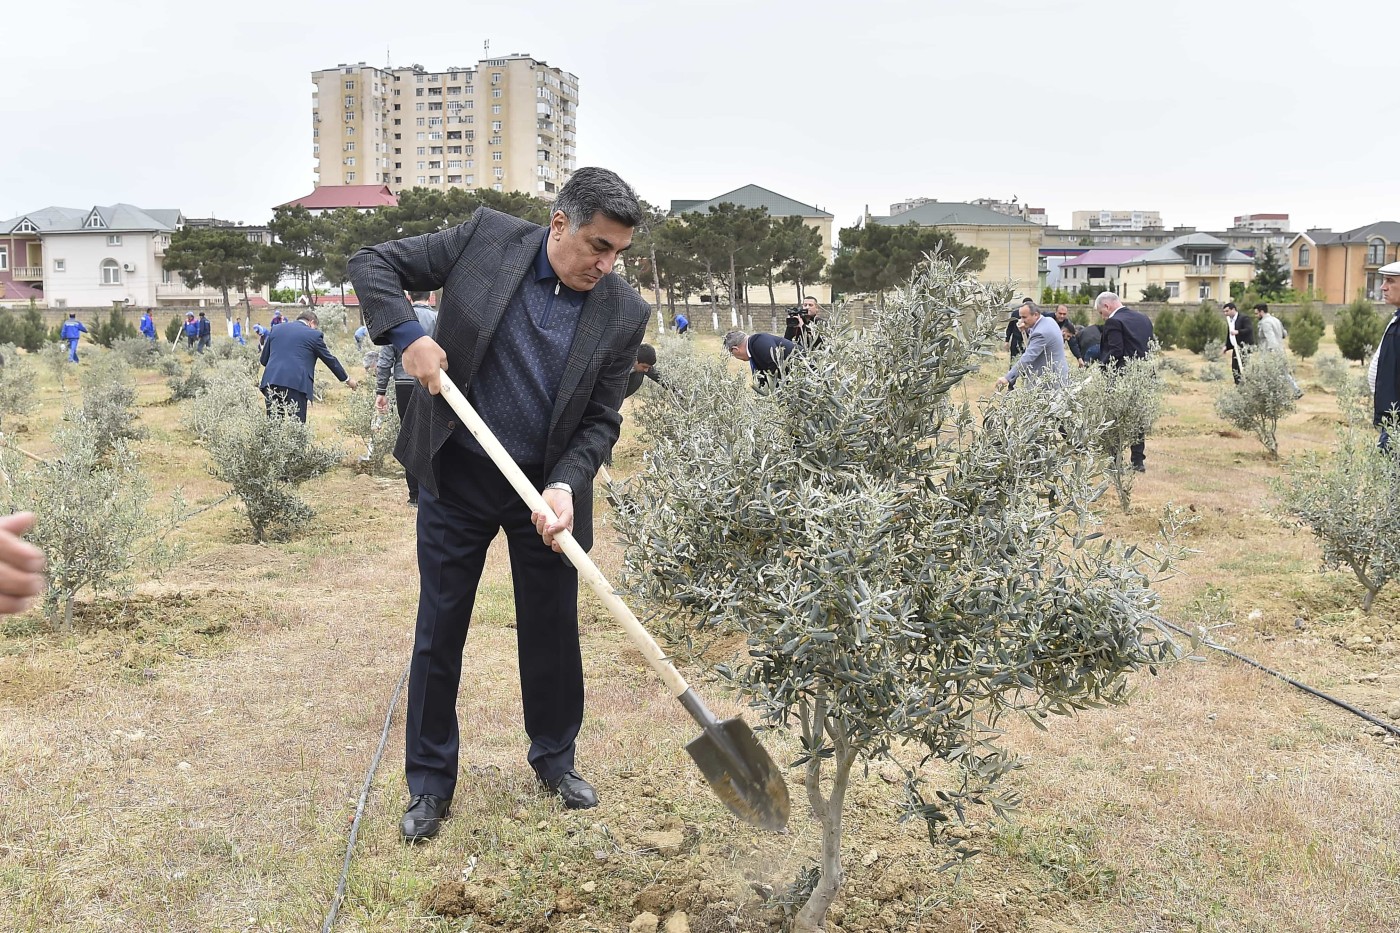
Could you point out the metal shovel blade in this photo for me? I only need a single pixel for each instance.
(742, 774)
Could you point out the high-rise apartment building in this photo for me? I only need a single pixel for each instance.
(1117, 220)
(507, 123)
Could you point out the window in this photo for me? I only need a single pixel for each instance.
(349, 115)
(95, 221)
(435, 134)
(349, 131)
(422, 180)
(111, 272)
(495, 157)
(1304, 255)
(1173, 289)
(454, 179)
(495, 108)
(349, 103)
(454, 163)
(350, 161)
(350, 147)
(435, 150)
(4, 258)
(60, 302)
(349, 85)
(422, 150)
(165, 276)
(26, 227)
(495, 126)
(349, 176)
(421, 165)
(1095, 272)
(494, 140)
(471, 179)
(434, 179)
(499, 172)
(315, 148)
(60, 265)
(418, 92)
(1203, 262)
(495, 92)
(495, 77)
(114, 239)
(421, 136)
(419, 121)
(435, 164)
(435, 105)
(1204, 291)
(454, 150)
(418, 106)
(498, 187)
(435, 121)
(1375, 252)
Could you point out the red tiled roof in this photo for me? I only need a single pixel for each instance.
(330, 197)
(351, 300)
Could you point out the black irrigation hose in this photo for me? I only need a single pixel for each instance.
(360, 807)
(1375, 720)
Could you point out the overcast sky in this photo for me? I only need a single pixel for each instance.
(1198, 111)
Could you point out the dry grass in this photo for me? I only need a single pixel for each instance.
(190, 762)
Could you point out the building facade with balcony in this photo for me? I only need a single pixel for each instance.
(509, 124)
(100, 256)
(1341, 267)
(1191, 268)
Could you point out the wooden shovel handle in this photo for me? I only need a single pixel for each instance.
(577, 556)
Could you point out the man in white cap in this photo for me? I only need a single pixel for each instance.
(1385, 365)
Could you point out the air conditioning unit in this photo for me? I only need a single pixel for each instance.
(128, 267)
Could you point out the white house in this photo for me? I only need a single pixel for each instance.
(96, 257)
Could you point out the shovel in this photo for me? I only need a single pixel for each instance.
(741, 773)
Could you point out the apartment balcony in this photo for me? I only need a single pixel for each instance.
(1205, 272)
(27, 273)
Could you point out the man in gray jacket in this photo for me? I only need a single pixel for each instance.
(391, 364)
(1045, 348)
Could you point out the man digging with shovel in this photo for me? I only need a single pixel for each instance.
(542, 336)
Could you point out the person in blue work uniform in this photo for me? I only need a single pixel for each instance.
(148, 326)
(238, 333)
(681, 322)
(204, 331)
(69, 332)
(191, 330)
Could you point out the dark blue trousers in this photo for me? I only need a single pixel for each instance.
(283, 397)
(455, 528)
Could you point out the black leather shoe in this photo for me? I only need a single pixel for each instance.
(1139, 468)
(424, 817)
(576, 793)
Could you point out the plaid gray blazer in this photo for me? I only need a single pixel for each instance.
(479, 265)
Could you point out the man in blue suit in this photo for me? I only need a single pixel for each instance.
(1126, 335)
(289, 354)
(765, 353)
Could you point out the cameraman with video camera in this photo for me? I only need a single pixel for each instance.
(802, 324)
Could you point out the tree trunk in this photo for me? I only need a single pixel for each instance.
(733, 286)
(812, 916)
(714, 307)
(656, 287)
(772, 303)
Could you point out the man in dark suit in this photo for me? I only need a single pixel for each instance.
(1384, 371)
(765, 354)
(1239, 333)
(541, 335)
(1126, 335)
(289, 354)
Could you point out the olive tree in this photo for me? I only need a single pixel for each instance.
(264, 456)
(94, 521)
(1265, 394)
(904, 570)
(1129, 400)
(1348, 500)
(17, 379)
(108, 396)
(361, 419)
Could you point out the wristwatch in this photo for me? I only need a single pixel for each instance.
(564, 486)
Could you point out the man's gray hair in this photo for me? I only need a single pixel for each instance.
(1104, 298)
(1035, 308)
(592, 190)
(735, 338)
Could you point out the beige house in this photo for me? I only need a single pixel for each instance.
(1191, 268)
(1012, 244)
(505, 123)
(1340, 267)
(778, 207)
